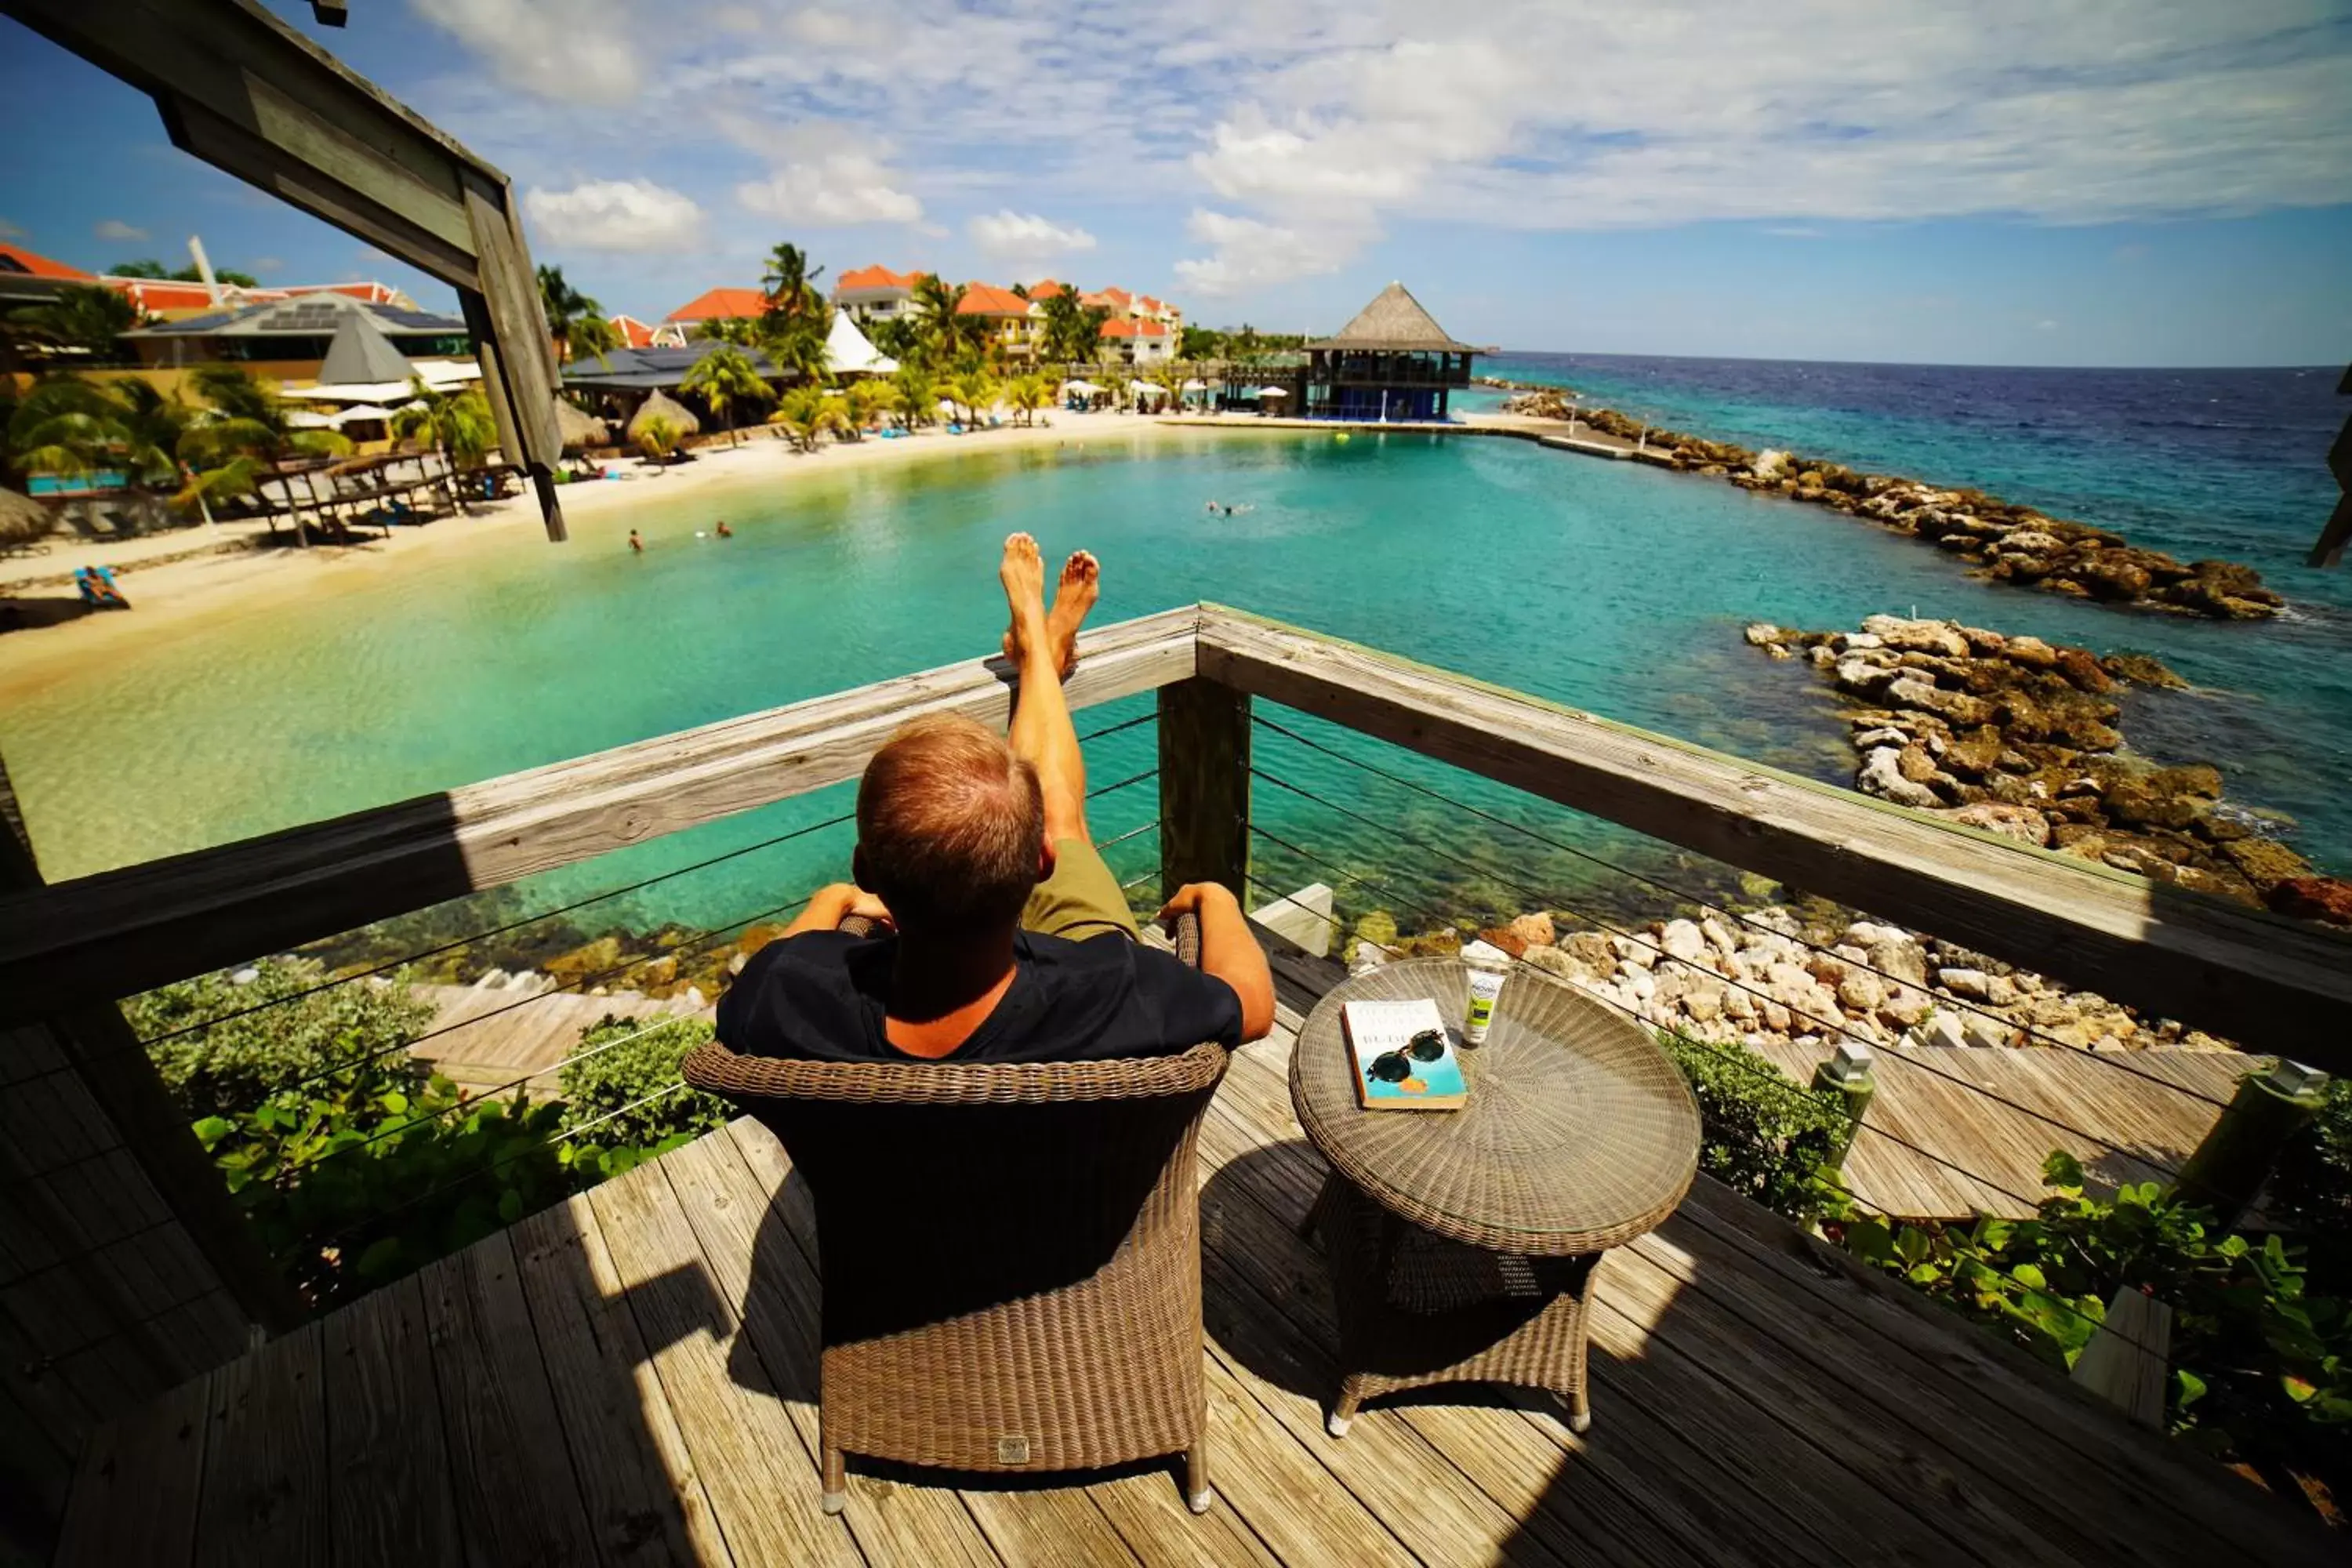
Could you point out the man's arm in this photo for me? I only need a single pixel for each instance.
(830, 906)
(1230, 952)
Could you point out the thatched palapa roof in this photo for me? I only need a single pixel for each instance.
(660, 405)
(22, 517)
(1394, 322)
(577, 429)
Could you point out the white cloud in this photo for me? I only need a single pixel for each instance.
(1250, 255)
(579, 50)
(9, 231)
(261, 264)
(116, 230)
(617, 215)
(1008, 236)
(834, 191)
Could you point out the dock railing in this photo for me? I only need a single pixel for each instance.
(1240, 702)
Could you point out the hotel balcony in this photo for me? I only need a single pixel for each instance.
(632, 1374)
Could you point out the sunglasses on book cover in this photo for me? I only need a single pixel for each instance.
(1395, 1067)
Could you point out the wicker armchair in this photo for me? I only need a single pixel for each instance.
(1010, 1254)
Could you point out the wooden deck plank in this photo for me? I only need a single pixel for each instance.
(518, 1496)
(762, 1271)
(141, 1482)
(762, 1482)
(644, 1499)
(264, 1499)
(387, 1460)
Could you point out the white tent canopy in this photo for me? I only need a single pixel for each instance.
(1196, 385)
(1147, 389)
(312, 420)
(1274, 392)
(439, 374)
(847, 351)
(1081, 386)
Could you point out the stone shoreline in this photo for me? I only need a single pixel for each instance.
(2003, 541)
(2014, 735)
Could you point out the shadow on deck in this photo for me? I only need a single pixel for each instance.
(631, 1377)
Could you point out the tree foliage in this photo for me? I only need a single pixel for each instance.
(224, 1045)
(726, 379)
(621, 1084)
(82, 320)
(1762, 1136)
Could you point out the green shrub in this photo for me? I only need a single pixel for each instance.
(2263, 1367)
(621, 1061)
(350, 1188)
(233, 1066)
(1762, 1136)
(2311, 1188)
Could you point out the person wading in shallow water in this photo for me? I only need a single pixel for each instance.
(636, 545)
(724, 531)
(1004, 938)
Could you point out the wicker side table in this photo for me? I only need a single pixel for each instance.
(1464, 1246)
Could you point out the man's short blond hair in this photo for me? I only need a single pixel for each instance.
(949, 821)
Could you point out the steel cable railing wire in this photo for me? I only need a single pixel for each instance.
(622, 891)
(501, 1090)
(1838, 1025)
(1764, 1073)
(1959, 1003)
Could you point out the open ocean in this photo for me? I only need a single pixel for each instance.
(1610, 586)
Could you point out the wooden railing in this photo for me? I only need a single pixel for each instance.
(2270, 983)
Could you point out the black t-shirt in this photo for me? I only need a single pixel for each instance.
(822, 997)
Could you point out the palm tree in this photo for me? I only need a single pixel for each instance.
(1170, 379)
(564, 306)
(1028, 394)
(868, 399)
(975, 390)
(797, 345)
(935, 317)
(898, 336)
(83, 320)
(791, 286)
(919, 394)
(741, 331)
(805, 413)
(593, 337)
(457, 425)
(726, 379)
(71, 427)
(656, 438)
(248, 419)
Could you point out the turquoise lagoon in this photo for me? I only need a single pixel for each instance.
(1609, 586)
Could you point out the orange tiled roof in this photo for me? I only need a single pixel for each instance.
(159, 294)
(371, 292)
(1046, 288)
(988, 299)
(722, 304)
(1128, 327)
(635, 334)
(875, 277)
(17, 259)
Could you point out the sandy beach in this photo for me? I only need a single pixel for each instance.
(183, 597)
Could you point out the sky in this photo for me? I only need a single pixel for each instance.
(2009, 182)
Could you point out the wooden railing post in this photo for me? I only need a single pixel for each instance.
(2230, 1166)
(1204, 785)
(1849, 1074)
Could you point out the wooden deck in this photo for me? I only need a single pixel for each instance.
(631, 1377)
(1956, 1131)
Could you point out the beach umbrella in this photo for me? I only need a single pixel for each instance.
(1196, 385)
(309, 419)
(1274, 392)
(1082, 387)
(658, 405)
(578, 429)
(22, 517)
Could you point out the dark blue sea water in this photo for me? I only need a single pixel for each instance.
(2229, 463)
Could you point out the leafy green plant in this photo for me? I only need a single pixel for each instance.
(2311, 1188)
(618, 1064)
(1761, 1135)
(2262, 1366)
(356, 1185)
(239, 1058)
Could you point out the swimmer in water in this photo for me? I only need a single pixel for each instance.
(725, 532)
(636, 545)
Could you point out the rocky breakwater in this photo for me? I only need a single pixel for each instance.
(2015, 735)
(2003, 541)
(1813, 974)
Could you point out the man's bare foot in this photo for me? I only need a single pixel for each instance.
(1022, 573)
(1074, 595)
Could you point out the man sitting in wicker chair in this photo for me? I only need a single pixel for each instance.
(1000, 935)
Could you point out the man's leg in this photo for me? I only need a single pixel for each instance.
(1081, 899)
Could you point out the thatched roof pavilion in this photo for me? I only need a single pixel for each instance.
(577, 430)
(661, 405)
(1393, 362)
